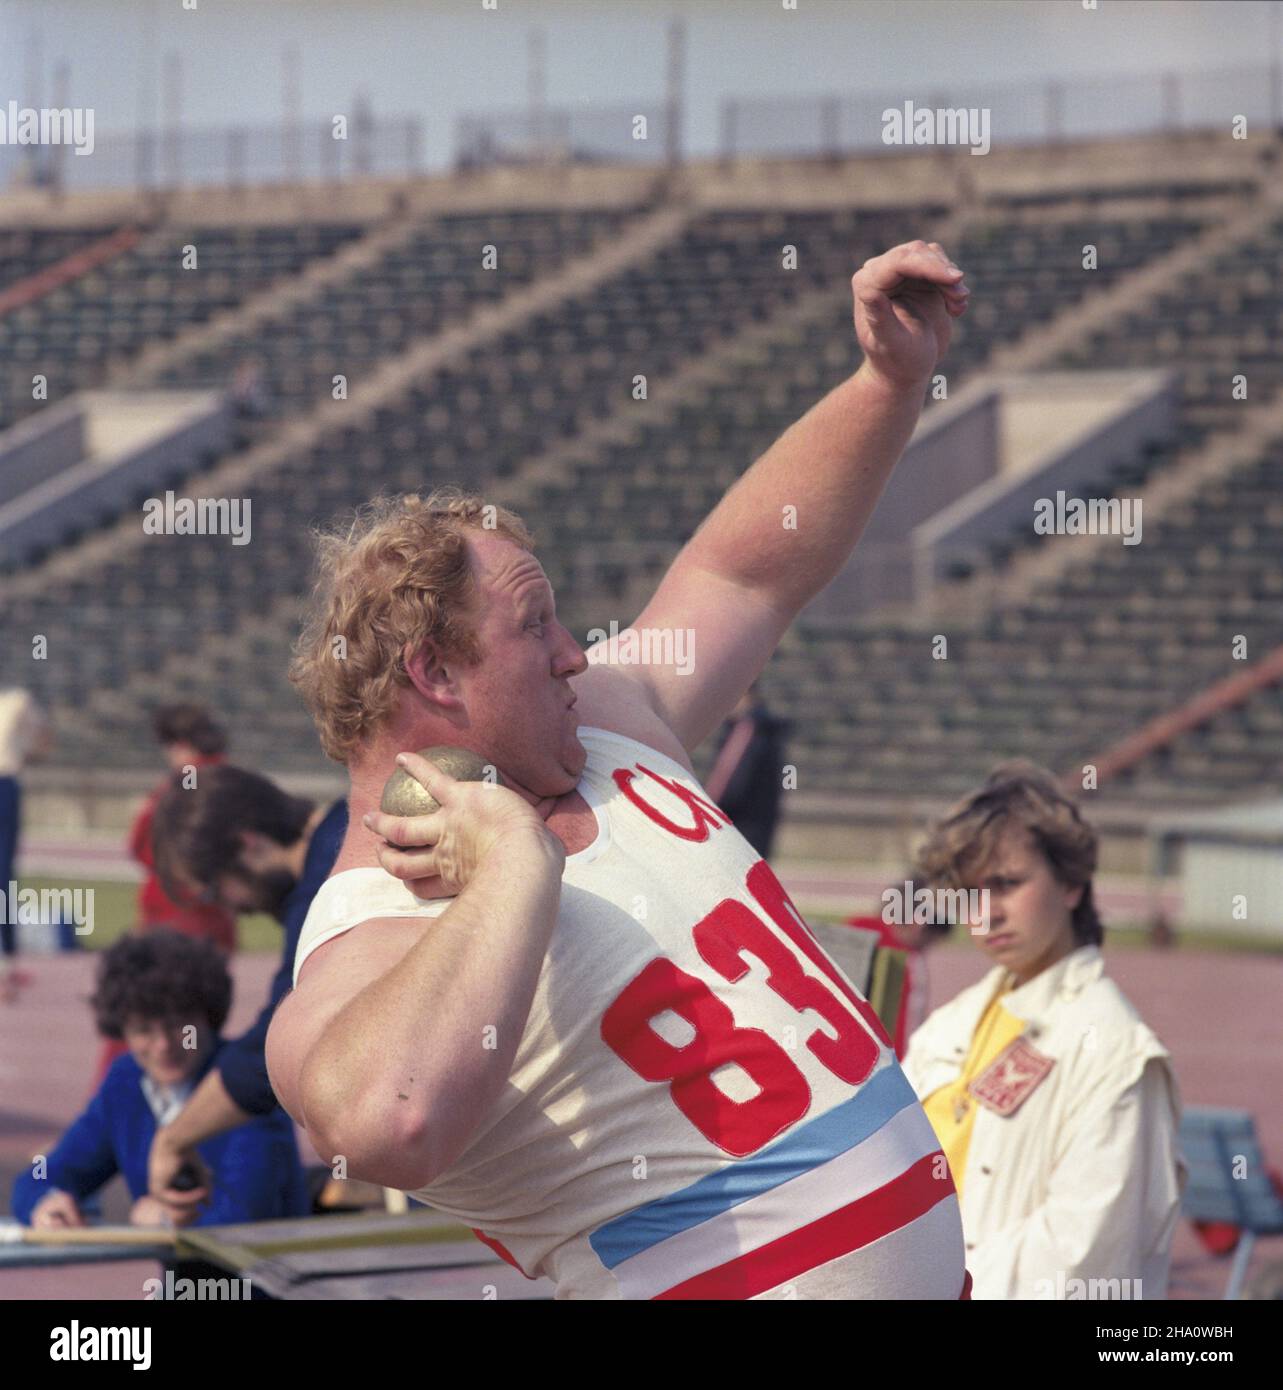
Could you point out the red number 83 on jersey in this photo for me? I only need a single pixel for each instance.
(729, 934)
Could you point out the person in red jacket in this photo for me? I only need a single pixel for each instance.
(190, 737)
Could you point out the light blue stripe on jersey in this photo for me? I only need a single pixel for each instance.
(883, 1096)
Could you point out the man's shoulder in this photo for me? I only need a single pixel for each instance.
(383, 941)
(610, 699)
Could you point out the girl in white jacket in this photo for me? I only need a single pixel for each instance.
(1056, 1106)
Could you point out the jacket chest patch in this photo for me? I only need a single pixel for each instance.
(1011, 1078)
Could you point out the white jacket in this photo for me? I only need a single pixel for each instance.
(1083, 1180)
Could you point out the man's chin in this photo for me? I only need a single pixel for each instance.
(571, 770)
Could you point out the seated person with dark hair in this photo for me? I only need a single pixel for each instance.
(168, 996)
(239, 840)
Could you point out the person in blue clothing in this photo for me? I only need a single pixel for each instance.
(168, 996)
(237, 839)
(746, 777)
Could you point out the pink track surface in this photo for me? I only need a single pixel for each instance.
(1218, 1013)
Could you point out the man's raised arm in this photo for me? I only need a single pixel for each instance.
(785, 529)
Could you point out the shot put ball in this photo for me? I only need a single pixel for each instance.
(403, 796)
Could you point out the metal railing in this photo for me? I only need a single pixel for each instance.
(1029, 113)
(829, 126)
(645, 133)
(235, 157)
(654, 131)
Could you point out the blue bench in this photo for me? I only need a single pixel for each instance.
(1228, 1181)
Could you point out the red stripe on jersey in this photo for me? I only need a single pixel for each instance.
(966, 1287)
(871, 1217)
(499, 1250)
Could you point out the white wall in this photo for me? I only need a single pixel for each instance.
(1213, 875)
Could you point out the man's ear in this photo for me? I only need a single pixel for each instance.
(430, 674)
(1074, 896)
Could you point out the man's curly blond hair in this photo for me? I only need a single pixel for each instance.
(397, 577)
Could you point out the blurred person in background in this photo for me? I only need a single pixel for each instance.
(247, 393)
(237, 840)
(1056, 1106)
(26, 736)
(914, 938)
(189, 736)
(166, 997)
(747, 774)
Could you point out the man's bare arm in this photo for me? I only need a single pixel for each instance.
(409, 1064)
(788, 525)
(830, 467)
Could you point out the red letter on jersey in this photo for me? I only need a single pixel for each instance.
(704, 812)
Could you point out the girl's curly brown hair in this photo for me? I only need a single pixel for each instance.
(397, 577)
(162, 975)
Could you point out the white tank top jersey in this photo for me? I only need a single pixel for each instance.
(701, 1104)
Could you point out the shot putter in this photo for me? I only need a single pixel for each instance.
(403, 796)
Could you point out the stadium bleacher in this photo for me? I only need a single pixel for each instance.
(143, 296)
(416, 289)
(26, 250)
(1084, 656)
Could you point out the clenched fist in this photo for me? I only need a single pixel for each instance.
(905, 300)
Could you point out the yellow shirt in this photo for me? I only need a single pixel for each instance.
(950, 1109)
